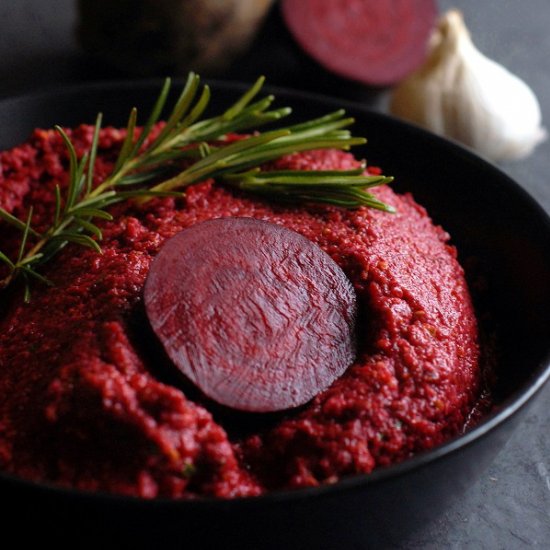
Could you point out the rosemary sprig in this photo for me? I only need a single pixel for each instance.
(338, 187)
(144, 162)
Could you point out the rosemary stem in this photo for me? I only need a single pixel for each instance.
(142, 160)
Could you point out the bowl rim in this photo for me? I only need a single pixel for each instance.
(508, 408)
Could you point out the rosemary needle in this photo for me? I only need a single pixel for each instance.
(140, 170)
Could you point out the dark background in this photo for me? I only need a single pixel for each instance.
(510, 505)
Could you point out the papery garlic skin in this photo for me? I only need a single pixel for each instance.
(461, 94)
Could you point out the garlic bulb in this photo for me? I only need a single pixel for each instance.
(461, 94)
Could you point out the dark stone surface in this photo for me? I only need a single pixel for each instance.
(510, 505)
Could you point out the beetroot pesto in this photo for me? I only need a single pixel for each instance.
(87, 398)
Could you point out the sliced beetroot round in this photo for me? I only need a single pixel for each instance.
(376, 42)
(254, 314)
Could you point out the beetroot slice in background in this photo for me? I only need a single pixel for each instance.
(376, 42)
(254, 314)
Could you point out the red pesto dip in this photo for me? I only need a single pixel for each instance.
(85, 400)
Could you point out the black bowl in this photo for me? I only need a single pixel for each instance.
(490, 219)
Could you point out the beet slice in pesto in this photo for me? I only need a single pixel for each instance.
(256, 315)
(376, 42)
